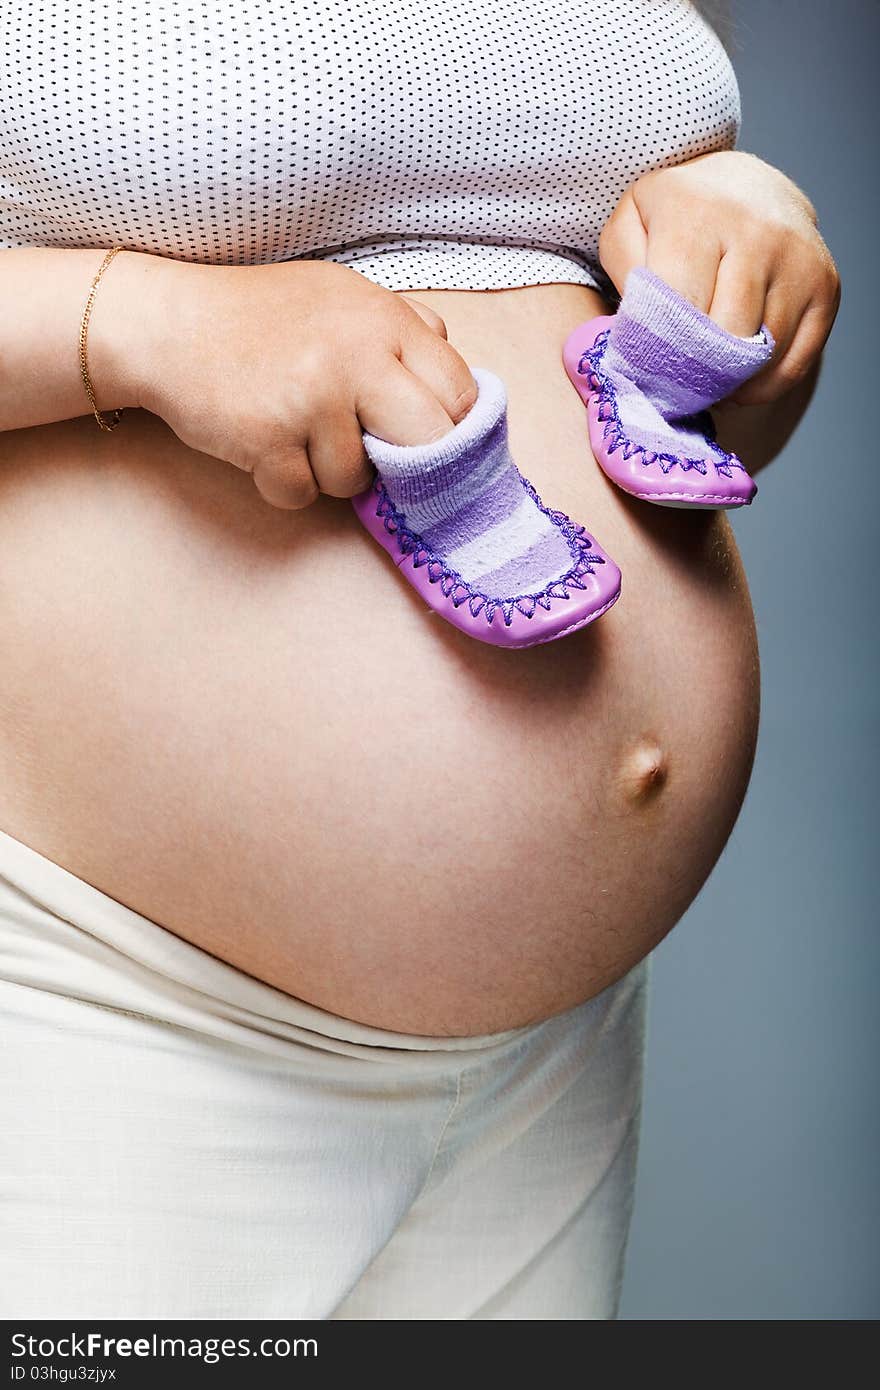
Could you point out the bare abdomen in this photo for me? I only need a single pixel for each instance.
(241, 723)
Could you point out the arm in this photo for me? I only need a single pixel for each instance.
(43, 292)
(277, 369)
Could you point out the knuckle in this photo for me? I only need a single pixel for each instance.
(285, 482)
(351, 476)
(295, 500)
(271, 439)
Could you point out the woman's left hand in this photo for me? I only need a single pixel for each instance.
(739, 240)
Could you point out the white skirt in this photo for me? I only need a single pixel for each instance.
(179, 1140)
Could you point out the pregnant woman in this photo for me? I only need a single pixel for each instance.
(324, 928)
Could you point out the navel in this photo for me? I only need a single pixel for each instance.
(645, 771)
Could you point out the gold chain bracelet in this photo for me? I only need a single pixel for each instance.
(83, 331)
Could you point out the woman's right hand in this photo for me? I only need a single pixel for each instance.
(278, 369)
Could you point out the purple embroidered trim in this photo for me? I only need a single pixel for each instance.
(460, 591)
(608, 411)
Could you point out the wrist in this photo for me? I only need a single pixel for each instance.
(129, 328)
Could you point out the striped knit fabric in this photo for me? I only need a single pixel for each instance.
(667, 360)
(465, 497)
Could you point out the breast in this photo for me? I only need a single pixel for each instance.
(467, 145)
(242, 724)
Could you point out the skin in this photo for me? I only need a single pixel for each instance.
(741, 241)
(254, 734)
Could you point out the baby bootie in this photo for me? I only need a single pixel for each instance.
(473, 538)
(647, 376)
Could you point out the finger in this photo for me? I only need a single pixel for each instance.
(398, 407)
(430, 316)
(686, 258)
(339, 461)
(287, 481)
(784, 307)
(623, 242)
(440, 368)
(793, 363)
(801, 320)
(740, 294)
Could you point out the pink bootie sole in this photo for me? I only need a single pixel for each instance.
(577, 598)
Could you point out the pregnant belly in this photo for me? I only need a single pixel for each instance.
(242, 724)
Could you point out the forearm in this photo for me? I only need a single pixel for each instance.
(44, 292)
(758, 433)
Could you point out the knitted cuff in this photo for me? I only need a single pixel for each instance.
(433, 480)
(677, 356)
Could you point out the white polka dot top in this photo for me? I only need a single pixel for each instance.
(447, 144)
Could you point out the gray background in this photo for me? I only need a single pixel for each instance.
(758, 1188)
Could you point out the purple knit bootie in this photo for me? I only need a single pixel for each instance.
(647, 376)
(474, 539)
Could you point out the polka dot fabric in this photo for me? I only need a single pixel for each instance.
(446, 144)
